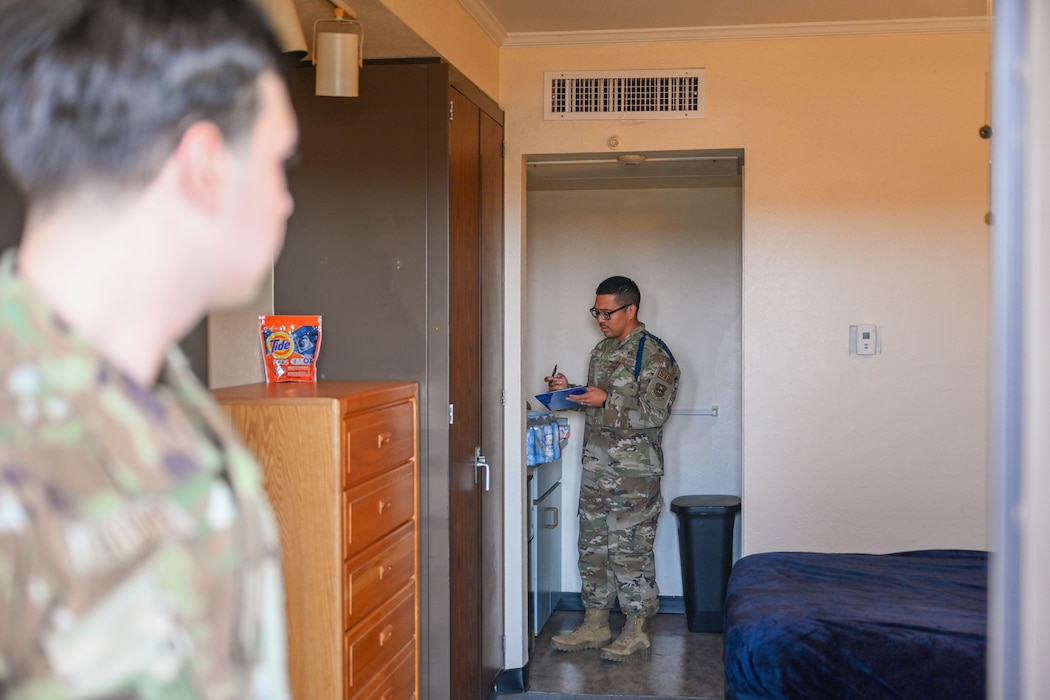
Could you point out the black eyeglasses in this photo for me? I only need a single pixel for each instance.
(606, 315)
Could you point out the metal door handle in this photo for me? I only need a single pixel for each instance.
(553, 525)
(481, 463)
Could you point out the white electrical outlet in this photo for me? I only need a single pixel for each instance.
(864, 339)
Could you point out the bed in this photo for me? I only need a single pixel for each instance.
(812, 625)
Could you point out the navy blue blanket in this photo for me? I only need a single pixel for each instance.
(809, 625)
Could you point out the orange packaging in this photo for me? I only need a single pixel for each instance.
(290, 345)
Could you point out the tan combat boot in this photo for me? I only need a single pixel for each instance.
(592, 634)
(633, 642)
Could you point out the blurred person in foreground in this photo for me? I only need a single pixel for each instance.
(139, 555)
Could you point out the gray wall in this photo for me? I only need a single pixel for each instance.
(356, 251)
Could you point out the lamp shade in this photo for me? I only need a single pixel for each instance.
(337, 53)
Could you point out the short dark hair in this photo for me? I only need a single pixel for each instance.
(102, 90)
(623, 288)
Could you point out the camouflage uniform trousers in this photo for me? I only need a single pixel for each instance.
(618, 517)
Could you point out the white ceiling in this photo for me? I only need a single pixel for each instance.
(524, 22)
(531, 16)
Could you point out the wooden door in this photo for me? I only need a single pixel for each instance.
(492, 547)
(465, 396)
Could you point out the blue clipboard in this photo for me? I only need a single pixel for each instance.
(559, 400)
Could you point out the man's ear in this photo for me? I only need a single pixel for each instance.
(202, 163)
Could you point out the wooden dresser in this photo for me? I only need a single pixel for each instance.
(341, 468)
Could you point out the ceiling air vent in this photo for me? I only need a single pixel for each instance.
(625, 94)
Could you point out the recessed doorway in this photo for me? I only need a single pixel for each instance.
(673, 222)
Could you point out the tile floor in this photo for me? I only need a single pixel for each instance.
(683, 664)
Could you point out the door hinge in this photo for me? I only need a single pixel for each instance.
(502, 397)
(503, 643)
(451, 414)
(502, 149)
(450, 106)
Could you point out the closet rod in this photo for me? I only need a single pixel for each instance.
(713, 411)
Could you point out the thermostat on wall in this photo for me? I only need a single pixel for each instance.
(864, 339)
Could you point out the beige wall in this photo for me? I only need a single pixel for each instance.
(449, 28)
(864, 195)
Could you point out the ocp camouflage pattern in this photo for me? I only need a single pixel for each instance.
(624, 436)
(618, 518)
(620, 497)
(138, 551)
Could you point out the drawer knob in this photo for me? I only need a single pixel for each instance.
(384, 571)
(385, 635)
(382, 439)
(385, 505)
(388, 694)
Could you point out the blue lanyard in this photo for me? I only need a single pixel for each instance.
(641, 346)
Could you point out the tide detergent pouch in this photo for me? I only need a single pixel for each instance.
(290, 345)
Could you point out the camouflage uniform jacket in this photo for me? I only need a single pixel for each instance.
(624, 436)
(138, 551)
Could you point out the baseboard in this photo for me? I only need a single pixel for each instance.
(673, 604)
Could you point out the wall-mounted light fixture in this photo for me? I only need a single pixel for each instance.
(286, 25)
(338, 52)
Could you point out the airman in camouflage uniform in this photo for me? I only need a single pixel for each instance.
(139, 554)
(130, 510)
(632, 382)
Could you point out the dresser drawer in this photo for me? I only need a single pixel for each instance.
(373, 643)
(377, 507)
(396, 682)
(378, 441)
(386, 566)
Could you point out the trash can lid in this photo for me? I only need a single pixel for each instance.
(699, 505)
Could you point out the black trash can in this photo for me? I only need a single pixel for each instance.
(705, 540)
